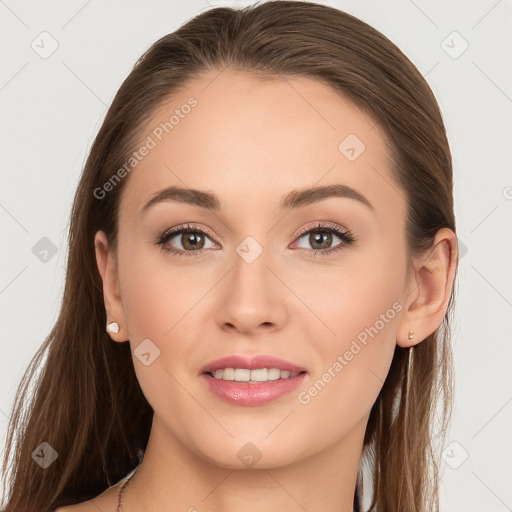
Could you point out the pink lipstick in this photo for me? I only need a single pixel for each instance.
(252, 381)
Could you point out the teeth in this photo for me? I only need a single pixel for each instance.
(274, 373)
(256, 375)
(227, 374)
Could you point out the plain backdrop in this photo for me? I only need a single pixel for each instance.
(51, 106)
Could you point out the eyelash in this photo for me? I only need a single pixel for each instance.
(347, 238)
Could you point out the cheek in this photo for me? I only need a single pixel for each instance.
(352, 370)
(156, 297)
(152, 290)
(344, 298)
(360, 305)
(162, 302)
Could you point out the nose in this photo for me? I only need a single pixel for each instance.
(253, 297)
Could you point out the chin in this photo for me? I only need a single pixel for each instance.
(252, 452)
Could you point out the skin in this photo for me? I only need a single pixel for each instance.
(250, 142)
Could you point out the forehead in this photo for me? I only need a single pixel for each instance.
(251, 140)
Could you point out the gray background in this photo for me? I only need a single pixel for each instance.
(51, 108)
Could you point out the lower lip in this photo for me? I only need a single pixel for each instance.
(243, 393)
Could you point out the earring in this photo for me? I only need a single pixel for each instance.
(408, 373)
(409, 359)
(113, 327)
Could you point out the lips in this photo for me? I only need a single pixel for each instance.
(262, 361)
(252, 393)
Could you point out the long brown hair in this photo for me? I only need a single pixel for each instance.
(86, 402)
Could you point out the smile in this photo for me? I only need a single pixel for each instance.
(252, 376)
(239, 386)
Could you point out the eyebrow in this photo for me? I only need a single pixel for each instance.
(294, 199)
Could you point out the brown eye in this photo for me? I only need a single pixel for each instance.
(320, 240)
(192, 240)
(185, 241)
(321, 237)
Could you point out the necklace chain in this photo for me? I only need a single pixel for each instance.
(121, 495)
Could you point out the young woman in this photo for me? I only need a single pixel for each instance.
(262, 262)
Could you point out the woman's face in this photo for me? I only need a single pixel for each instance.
(252, 284)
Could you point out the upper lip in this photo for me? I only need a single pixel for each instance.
(251, 363)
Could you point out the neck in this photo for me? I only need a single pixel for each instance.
(171, 478)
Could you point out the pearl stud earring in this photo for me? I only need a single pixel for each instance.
(113, 327)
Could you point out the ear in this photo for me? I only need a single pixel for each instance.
(429, 289)
(107, 266)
